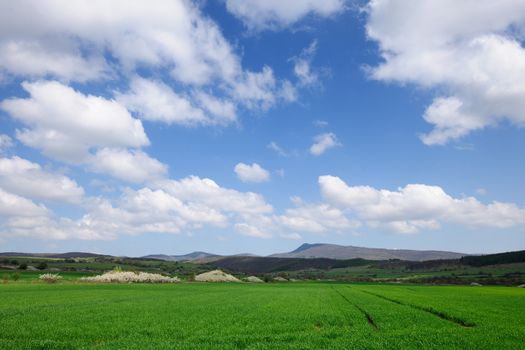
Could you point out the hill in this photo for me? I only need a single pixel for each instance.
(186, 257)
(53, 255)
(250, 264)
(334, 251)
(494, 259)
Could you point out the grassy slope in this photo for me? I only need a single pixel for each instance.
(271, 316)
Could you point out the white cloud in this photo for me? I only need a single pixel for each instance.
(315, 218)
(176, 206)
(155, 101)
(293, 236)
(417, 206)
(251, 173)
(260, 90)
(5, 142)
(12, 205)
(207, 192)
(59, 40)
(129, 165)
(320, 123)
(66, 124)
(302, 66)
(222, 111)
(171, 33)
(277, 149)
(28, 179)
(481, 191)
(60, 58)
(251, 231)
(324, 142)
(275, 14)
(469, 51)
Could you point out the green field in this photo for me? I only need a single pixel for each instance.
(269, 316)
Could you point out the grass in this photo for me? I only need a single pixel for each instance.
(252, 316)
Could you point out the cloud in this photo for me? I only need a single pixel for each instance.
(302, 66)
(261, 90)
(260, 15)
(171, 33)
(417, 207)
(155, 101)
(209, 193)
(59, 58)
(5, 142)
(175, 206)
(324, 142)
(28, 179)
(469, 52)
(65, 124)
(12, 205)
(293, 236)
(53, 39)
(251, 231)
(251, 173)
(277, 149)
(315, 218)
(129, 165)
(21, 217)
(320, 123)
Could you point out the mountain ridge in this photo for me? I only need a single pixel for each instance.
(335, 251)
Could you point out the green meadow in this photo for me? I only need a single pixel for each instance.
(310, 315)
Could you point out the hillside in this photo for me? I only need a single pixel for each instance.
(494, 259)
(250, 264)
(186, 257)
(334, 251)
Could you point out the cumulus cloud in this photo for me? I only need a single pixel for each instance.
(209, 193)
(12, 205)
(72, 43)
(315, 218)
(5, 142)
(171, 33)
(65, 124)
(155, 101)
(273, 14)
(261, 90)
(416, 207)
(469, 51)
(251, 173)
(129, 165)
(251, 231)
(324, 142)
(28, 179)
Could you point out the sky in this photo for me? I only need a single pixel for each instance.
(253, 126)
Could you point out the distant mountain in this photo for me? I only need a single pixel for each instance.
(187, 257)
(53, 255)
(334, 251)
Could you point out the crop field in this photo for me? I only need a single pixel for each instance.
(267, 316)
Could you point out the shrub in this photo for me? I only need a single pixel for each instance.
(15, 276)
(50, 277)
(42, 266)
(22, 266)
(116, 276)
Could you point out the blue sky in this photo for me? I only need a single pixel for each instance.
(254, 126)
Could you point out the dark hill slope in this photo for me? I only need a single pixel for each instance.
(249, 264)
